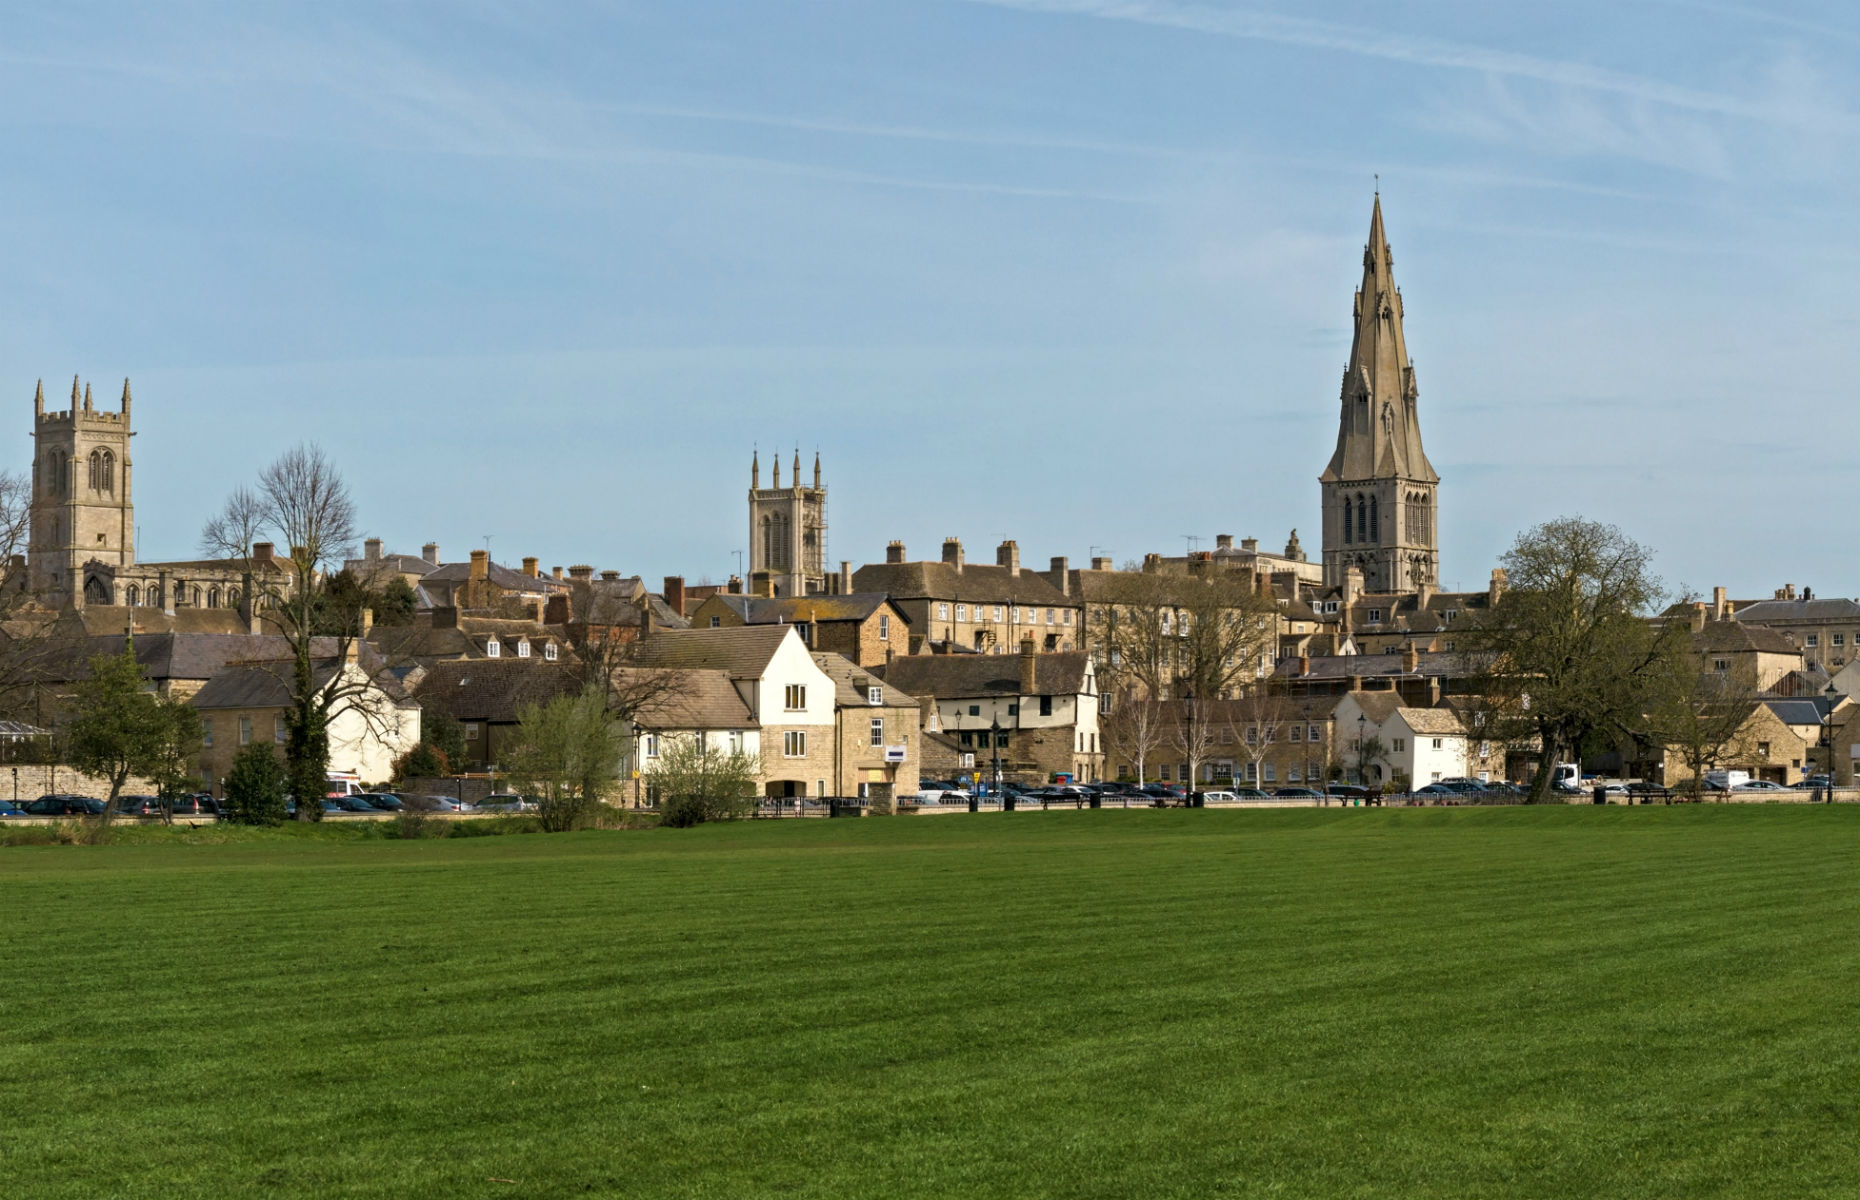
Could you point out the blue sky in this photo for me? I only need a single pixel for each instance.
(1076, 272)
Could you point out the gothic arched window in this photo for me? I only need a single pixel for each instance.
(213, 597)
(196, 597)
(108, 473)
(96, 470)
(1362, 521)
(133, 596)
(1347, 531)
(1375, 534)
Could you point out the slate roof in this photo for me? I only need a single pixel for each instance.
(111, 618)
(1433, 722)
(851, 681)
(770, 610)
(497, 573)
(976, 581)
(267, 684)
(1821, 608)
(1377, 706)
(403, 564)
(946, 675)
(1732, 637)
(1807, 710)
(743, 651)
(695, 699)
(169, 656)
(493, 689)
(1343, 666)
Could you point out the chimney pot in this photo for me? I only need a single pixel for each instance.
(952, 553)
(1223, 541)
(894, 553)
(1101, 564)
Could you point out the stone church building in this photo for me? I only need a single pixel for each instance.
(81, 545)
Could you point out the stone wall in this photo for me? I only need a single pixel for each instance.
(34, 780)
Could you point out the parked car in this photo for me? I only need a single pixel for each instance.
(197, 804)
(1218, 798)
(1439, 789)
(509, 802)
(1810, 782)
(1348, 791)
(60, 805)
(1297, 793)
(139, 806)
(1760, 785)
(350, 804)
(381, 801)
(432, 802)
(9, 809)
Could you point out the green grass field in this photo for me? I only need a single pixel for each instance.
(1511, 1002)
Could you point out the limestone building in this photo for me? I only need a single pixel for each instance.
(1379, 490)
(787, 531)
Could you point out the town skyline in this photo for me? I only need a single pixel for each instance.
(970, 295)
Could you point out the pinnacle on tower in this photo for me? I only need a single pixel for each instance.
(775, 472)
(816, 470)
(87, 397)
(38, 399)
(797, 466)
(76, 399)
(125, 394)
(755, 470)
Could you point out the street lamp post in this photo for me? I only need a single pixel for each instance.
(1833, 697)
(1188, 743)
(994, 746)
(639, 731)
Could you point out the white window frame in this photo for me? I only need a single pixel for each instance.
(962, 612)
(549, 651)
(523, 648)
(794, 697)
(875, 695)
(493, 649)
(794, 743)
(884, 627)
(878, 731)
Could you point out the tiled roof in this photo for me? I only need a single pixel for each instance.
(1805, 711)
(976, 581)
(1343, 666)
(110, 618)
(497, 573)
(1434, 722)
(851, 683)
(947, 675)
(692, 699)
(493, 689)
(742, 651)
(1734, 637)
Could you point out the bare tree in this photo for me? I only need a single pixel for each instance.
(1135, 729)
(302, 503)
(1701, 717)
(1256, 722)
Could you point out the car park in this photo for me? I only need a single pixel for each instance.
(351, 804)
(381, 801)
(139, 806)
(9, 809)
(196, 804)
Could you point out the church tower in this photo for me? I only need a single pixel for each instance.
(81, 505)
(1379, 489)
(787, 532)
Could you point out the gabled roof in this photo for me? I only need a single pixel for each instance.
(1807, 710)
(1433, 722)
(1377, 706)
(100, 619)
(743, 651)
(694, 699)
(171, 656)
(1732, 637)
(948, 675)
(982, 582)
(497, 573)
(493, 689)
(851, 684)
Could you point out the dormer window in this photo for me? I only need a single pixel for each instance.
(493, 649)
(523, 648)
(1375, 616)
(1452, 613)
(549, 651)
(875, 695)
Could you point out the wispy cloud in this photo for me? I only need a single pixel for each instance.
(1421, 51)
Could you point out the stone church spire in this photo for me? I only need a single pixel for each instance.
(1379, 429)
(1379, 487)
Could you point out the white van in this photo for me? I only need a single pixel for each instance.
(1724, 781)
(1566, 777)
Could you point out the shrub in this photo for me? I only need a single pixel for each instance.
(255, 786)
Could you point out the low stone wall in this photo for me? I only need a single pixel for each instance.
(37, 779)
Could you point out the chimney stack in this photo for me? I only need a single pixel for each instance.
(1424, 594)
(167, 592)
(480, 564)
(1007, 554)
(532, 567)
(1102, 563)
(1250, 545)
(446, 617)
(1028, 665)
(1496, 589)
(761, 583)
(555, 609)
(1304, 665)
(1352, 586)
(1223, 541)
(952, 553)
(368, 621)
(371, 550)
(735, 586)
(1410, 658)
(610, 576)
(845, 578)
(894, 553)
(580, 573)
(1698, 617)
(675, 593)
(262, 553)
(430, 552)
(556, 572)
(1059, 575)
(1720, 605)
